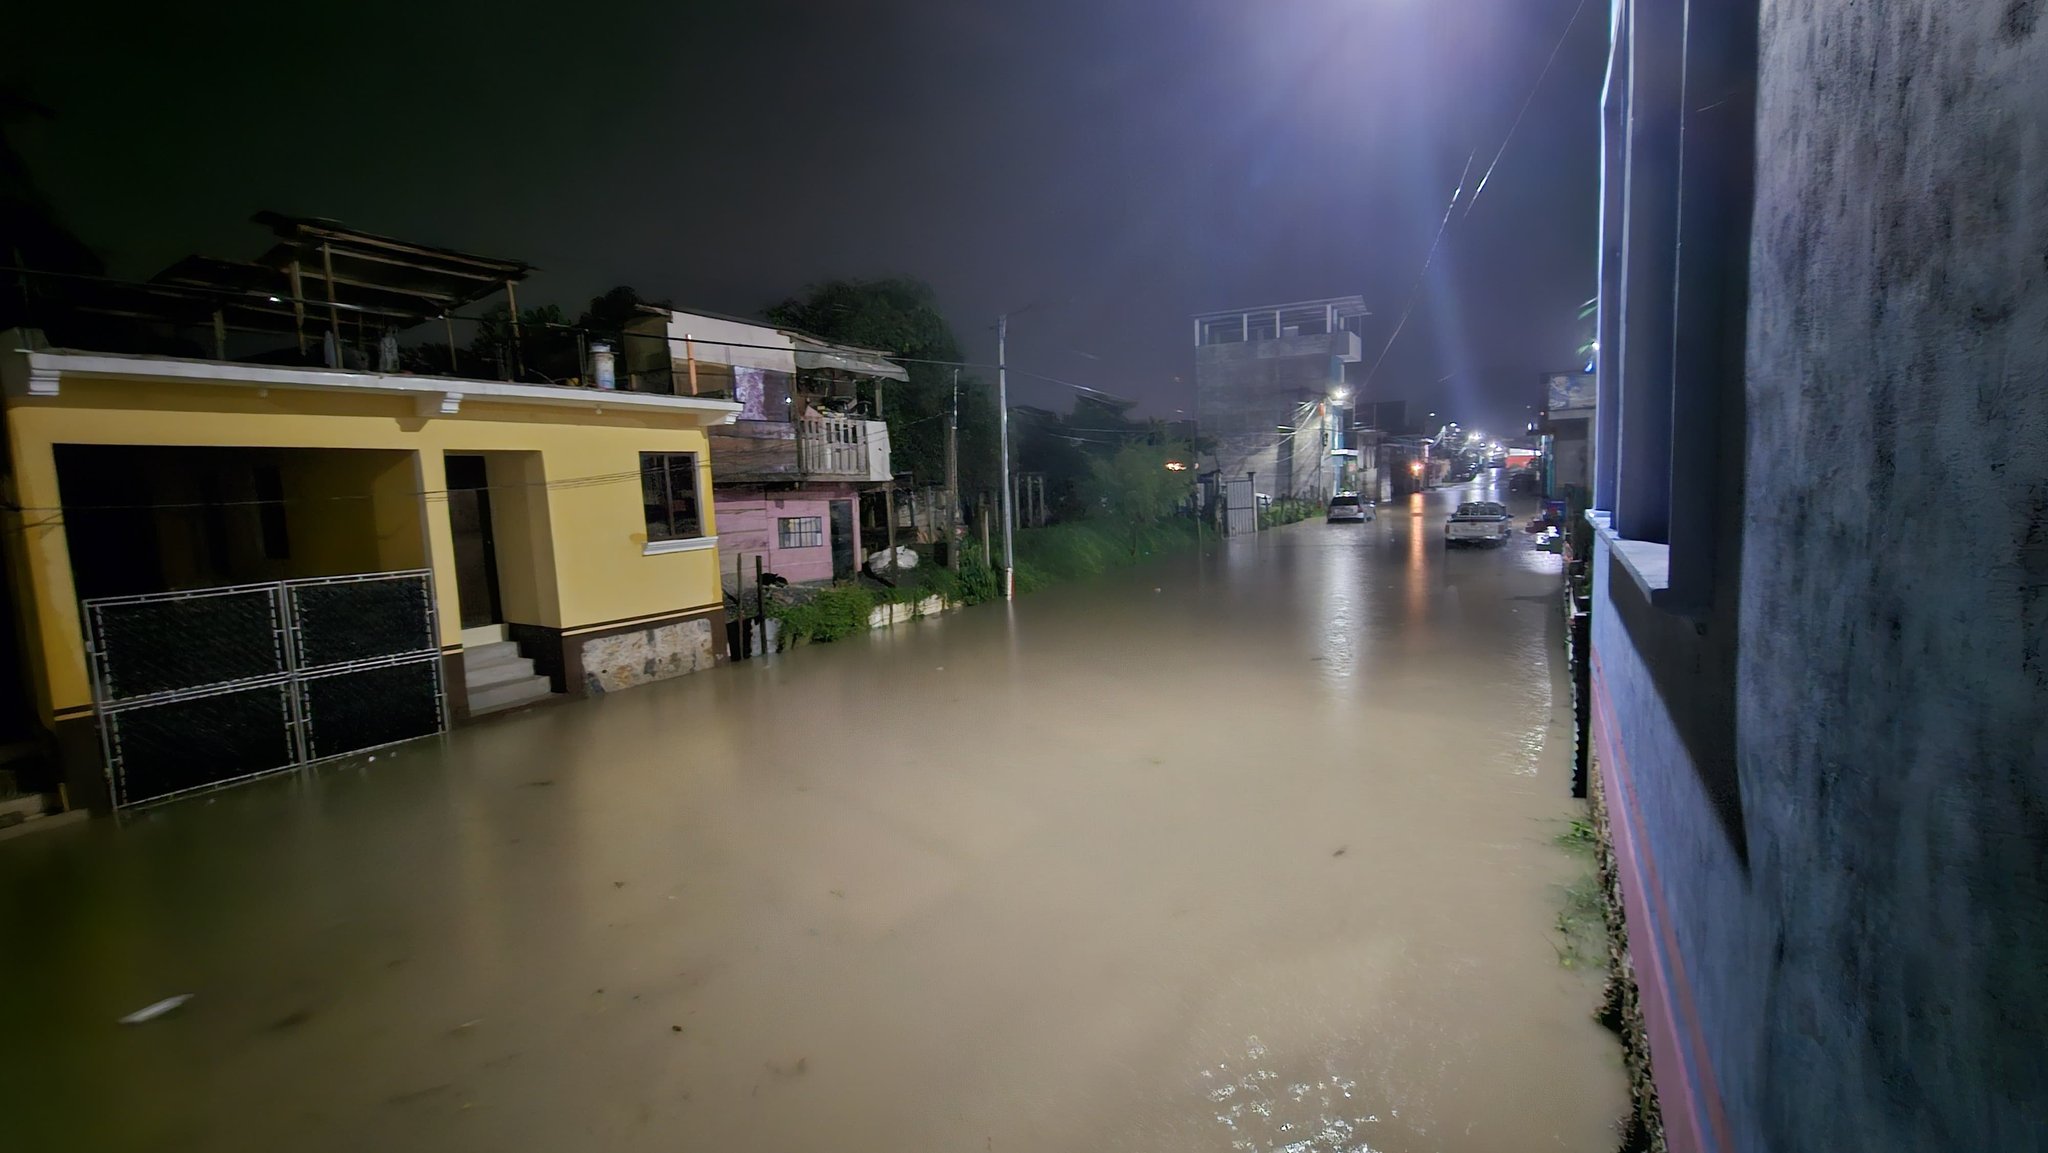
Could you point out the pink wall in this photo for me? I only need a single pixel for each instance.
(747, 528)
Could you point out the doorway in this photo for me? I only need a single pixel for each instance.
(842, 540)
(476, 553)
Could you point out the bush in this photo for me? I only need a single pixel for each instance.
(1088, 548)
(841, 610)
(973, 584)
(1287, 510)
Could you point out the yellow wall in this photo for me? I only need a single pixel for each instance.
(589, 504)
(527, 591)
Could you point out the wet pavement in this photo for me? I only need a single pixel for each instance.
(1242, 853)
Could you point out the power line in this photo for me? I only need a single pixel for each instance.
(1423, 273)
(1530, 99)
(1486, 176)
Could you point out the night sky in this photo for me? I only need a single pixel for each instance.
(1104, 169)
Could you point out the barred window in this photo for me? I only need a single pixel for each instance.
(668, 488)
(800, 532)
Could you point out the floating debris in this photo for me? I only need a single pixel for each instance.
(152, 1011)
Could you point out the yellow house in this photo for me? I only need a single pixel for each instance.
(566, 534)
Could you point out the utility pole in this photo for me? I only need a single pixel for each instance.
(953, 480)
(1003, 430)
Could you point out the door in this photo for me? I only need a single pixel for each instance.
(476, 557)
(1240, 506)
(842, 540)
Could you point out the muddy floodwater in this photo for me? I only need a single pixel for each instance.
(1250, 852)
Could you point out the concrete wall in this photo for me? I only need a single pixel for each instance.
(1895, 574)
(1835, 779)
(1571, 454)
(1244, 390)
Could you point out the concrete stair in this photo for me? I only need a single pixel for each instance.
(22, 812)
(496, 675)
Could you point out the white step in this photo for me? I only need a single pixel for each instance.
(495, 673)
(28, 805)
(491, 653)
(509, 694)
(483, 635)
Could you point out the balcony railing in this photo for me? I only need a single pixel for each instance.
(842, 448)
(817, 446)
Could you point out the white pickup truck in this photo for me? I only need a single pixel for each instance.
(1479, 522)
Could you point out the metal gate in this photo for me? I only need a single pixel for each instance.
(199, 689)
(1240, 507)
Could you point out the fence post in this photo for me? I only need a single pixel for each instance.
(760, 603)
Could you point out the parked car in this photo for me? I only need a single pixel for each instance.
(1478, 522)
(1349, 506)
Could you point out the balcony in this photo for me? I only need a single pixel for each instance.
(1328, 327)
(816, 446)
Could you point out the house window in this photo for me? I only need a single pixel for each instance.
(668, 488)
(800, 532)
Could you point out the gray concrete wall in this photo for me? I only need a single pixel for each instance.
(1244, 390)
(1838, 774)
(1893, 682)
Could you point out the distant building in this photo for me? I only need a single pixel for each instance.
(1269, 391)
(1570, 404)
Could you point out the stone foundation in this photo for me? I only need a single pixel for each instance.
(623, 660)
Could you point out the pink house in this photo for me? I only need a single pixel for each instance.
(789, 473)
(796, 535)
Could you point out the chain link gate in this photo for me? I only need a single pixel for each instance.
(195, 690)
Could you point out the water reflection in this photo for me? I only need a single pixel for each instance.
(1252, 861)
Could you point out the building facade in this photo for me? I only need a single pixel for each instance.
(1270, 393)
(1570, 405)
(567, 534)
(1822, 539)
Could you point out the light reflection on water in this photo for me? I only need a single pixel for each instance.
(1259, 1114)
(1248, 852)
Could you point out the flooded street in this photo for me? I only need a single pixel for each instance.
(1243, 853)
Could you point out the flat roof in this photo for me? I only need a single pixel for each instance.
(1346, 306)
(43, 373)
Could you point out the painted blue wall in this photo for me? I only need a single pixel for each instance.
(1892, 704)
(1842, 768)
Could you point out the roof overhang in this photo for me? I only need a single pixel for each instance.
(45, 374)
(816, 354)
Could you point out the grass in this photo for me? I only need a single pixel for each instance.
(1082, 549)
(1289, 509)
(1582, 922)
(1577, 836)
(1582, 911)
(1046, 556)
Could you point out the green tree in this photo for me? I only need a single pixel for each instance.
(609, 311)
(546, 348)
(901, 316)
(1135, 489)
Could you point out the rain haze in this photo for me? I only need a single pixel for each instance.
(1114, 168)
(1347, 576)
